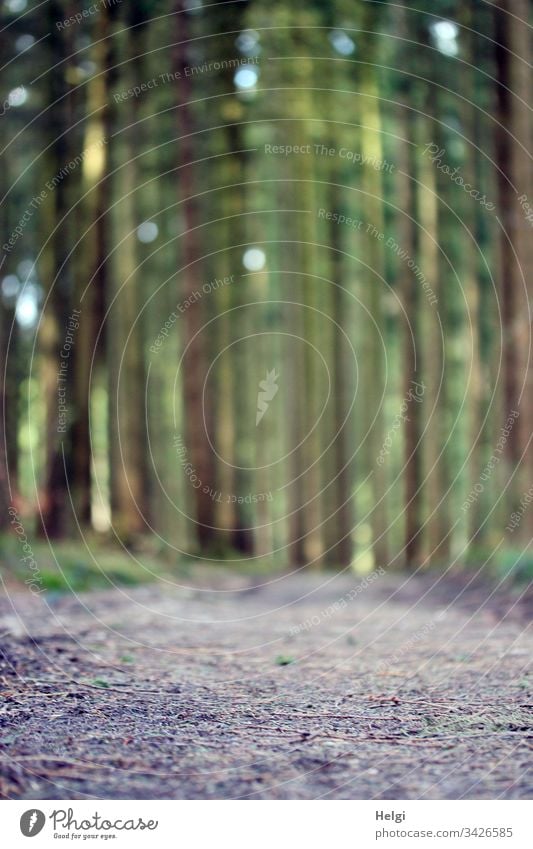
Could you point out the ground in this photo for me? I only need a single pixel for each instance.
(300, 687)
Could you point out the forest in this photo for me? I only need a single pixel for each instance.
(266, 272)
(322, 205)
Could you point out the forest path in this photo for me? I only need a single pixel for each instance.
(406, 689)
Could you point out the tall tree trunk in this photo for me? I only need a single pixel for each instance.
(412, 299)
(9, 360)
(57, 267)
(513, 136)
(195, 361)
(339, 501)
(306, 535)
(92, 260)
(7, 490)
(476, 218)
(430, 348)
(373, 373)
(128, 447)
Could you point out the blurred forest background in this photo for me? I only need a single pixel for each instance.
(265, 281)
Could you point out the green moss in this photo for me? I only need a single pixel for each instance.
(284, 660)
(73, 566)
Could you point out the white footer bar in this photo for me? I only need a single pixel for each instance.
(268, 824)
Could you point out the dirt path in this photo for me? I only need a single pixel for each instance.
(401, 690)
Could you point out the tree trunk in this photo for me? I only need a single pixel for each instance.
(513, 140)
(195, 361)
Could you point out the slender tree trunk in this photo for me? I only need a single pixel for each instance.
(339, 502)
(516, 286)
(373, 373)
(130, 490)
(410, 289)
(478, 432)
(430, 348)
(6, 497)
(58, 272)
(9, 365)
(92, 263)
(307, 370)
(195, 363)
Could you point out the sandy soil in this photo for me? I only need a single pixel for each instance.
(307, 687)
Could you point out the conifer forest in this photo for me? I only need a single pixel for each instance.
(266, 456)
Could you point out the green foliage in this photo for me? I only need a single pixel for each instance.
(515, 564)
(99, 682)
(71, 567)
(284, 660)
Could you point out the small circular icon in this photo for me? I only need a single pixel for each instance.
(32, 822)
